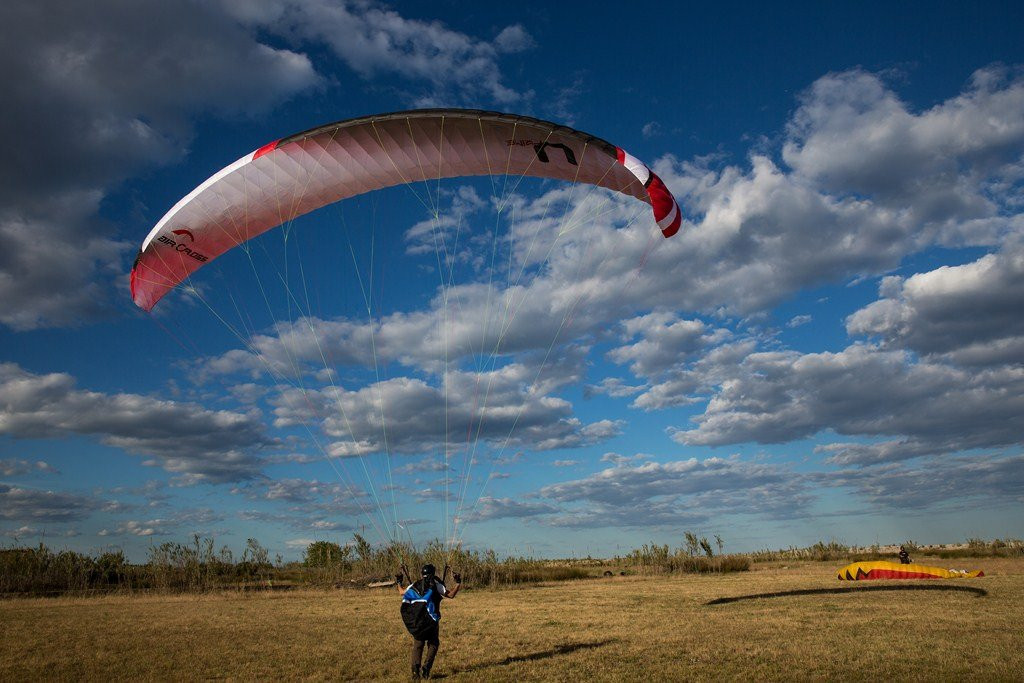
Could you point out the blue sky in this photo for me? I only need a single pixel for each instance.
(831, 348)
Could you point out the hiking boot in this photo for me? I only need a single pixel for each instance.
(415, 673)
(426, 672)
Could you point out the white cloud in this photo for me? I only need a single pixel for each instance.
(993, 480)
(619, 459)
(868, 182)
(428, 464)
(153, 527)
(615, 387)
(678, 494)
(112, 88)
(505, 408)
(184, 437)
(860, 454)
(185, 521)
(631, 484)
(775, 397)
(27, 531)
(291, 490)
(39, 506)
(506, 508)
(309, 494)
(651, 514)
(968, 314)
(854, 136)
(666, 340)
(439, 64)
(12, 467)
(688, 386)
(651, 129)
(514, 38)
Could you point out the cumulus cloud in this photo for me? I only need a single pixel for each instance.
(861, 454)
(689, 385)
(678, 493)
(854, 136)
(681, 492)
(291, 490)
(665, 341)
(967, 314)
(619, 459)
(343, 497)
(615, 387)
(299, 518)
(691, 492)
(23, 531)
(625, 484)
(548, 293)
(774, 397)
(650, 514)
(39, 506)
(13, 467)
(183, 438)
(996, 480)
(506, 508)
(505, 407)
(866, 181)
(424, 465)
(112, 88)
(373, 39)
(188, 521)
(514, 38)
(652, 129)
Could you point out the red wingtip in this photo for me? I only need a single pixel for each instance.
(265, 149)
(666, 210)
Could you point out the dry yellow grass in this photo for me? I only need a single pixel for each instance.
(632, 629)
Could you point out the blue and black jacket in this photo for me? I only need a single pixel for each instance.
(421, 607)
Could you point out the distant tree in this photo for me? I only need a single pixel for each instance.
(325, 554)
(706, 547)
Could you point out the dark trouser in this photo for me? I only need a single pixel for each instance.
(432, 642)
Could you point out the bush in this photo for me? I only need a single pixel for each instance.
(40, 571)
(659, 559)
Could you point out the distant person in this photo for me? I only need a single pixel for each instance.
(421, 612)
(904, 556)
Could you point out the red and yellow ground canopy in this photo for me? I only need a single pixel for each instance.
(860, 571)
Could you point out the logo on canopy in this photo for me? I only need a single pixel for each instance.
(181, 245)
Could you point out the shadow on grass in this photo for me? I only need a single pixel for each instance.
(528, 657)
(979, 592)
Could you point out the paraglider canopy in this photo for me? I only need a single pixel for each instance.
(300, 173)
(864, 571)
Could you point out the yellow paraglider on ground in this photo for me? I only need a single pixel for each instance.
(860, 571)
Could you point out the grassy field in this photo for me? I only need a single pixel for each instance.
(622, 628)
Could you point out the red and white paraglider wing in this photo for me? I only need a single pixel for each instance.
(666, 210)
(296, 175)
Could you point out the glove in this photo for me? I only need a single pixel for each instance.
(458, 577)
(398, 579)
